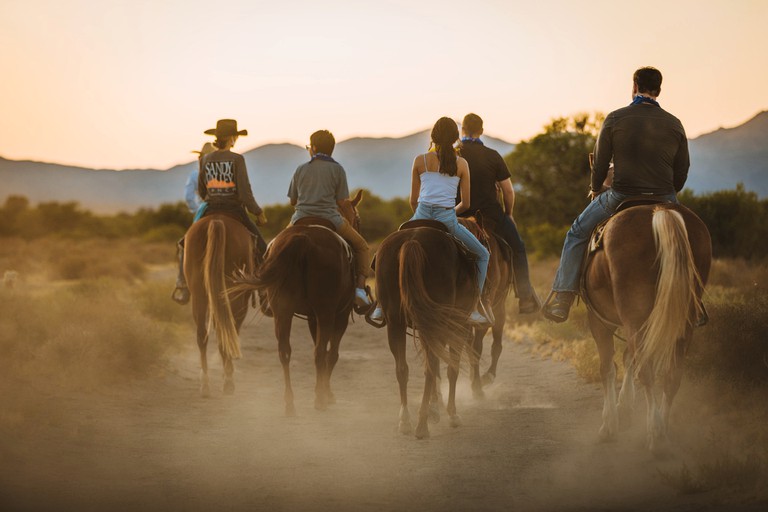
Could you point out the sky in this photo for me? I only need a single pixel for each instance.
(134, 83)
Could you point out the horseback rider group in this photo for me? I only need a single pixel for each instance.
(646, 146)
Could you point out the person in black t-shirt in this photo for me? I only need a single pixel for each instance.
(487, 174)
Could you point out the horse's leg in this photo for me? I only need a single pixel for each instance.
(627, 393)
(340, 327)
(283, 334)
(654, 423)
(453, 375)
(475, 343)
(396, 337)
(673, 378)
(323, 332)
(229, 370)
(200, 314)
(498, 332)
(430, 371)
(436, 398)
(604, 340)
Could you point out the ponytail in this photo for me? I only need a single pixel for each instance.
(444, 134)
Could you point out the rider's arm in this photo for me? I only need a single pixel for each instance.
(603, 155)
(463, 173)
(681, 164)
(508, 192)
(415, 184)
(244, 192)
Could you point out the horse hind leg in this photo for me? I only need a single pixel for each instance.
(627, 393)
(453, 375)
(604, 341)
(432, 367)
(475, 342)
(229, 371)
(498, 332)
(655, 427)
(202, 345)
(396, 336)
(672, 381)
(322, 379)
(283, 335)
(340, 327)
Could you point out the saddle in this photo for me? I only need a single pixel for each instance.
(316, 221)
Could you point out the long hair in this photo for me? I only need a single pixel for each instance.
(444, 134)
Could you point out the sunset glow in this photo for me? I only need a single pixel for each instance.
(134, 83)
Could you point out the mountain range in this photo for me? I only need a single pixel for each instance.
(719, 160)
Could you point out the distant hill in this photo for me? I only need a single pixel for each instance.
(381, 165)
(719, 160)
(725, 157)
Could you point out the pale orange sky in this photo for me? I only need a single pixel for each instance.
(134, 83)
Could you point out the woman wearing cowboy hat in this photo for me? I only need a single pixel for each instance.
(224, 186)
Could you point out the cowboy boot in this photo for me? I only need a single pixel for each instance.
(558, 306)
(181, 292)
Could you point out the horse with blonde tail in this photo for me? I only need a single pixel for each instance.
(216, 248)
(646, 275)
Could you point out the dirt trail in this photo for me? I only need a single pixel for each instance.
(530, 445)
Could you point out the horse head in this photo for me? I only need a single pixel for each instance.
(348, 210)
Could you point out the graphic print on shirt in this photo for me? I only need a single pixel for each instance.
(220, 178)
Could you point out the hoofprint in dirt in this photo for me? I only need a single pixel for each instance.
(531, 444)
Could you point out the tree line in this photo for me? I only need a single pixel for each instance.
(551, 176)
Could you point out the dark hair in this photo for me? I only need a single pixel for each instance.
(221, 142)
(648, 80)
(472, 124)
(323, 142)
(444, 134)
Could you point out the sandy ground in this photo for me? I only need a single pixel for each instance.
(531, 444)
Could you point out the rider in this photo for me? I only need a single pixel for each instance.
(316, 190)
(224, 186)
(190, 187)
(489, 173)
(649, 150)
(435, 176)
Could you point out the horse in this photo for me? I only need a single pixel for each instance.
(426, 281)
(308, 270)
(647, 277)
(497, 286)
(216, 248)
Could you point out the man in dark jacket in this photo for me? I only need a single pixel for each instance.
(487, 174)
(649, 151)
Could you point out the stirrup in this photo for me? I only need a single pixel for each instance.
(376, 322)
(363, 309)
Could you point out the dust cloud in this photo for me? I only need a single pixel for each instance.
(530, 445)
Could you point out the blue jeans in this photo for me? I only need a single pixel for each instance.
(574, 247)
(508, 231)
(448, 217)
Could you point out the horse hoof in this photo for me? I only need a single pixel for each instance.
(321, 404)
(205, 391)
(478, 393)
(455, 421)
(422, 432)
(405, 427)
(229, 388)
(488, 379)
(606, 435)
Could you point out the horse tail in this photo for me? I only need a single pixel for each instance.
(286, 261)
(438, 325)
(676, 305)
(219, 307)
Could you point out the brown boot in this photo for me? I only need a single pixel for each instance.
(558, 306)
(181, 292)
(529, 305)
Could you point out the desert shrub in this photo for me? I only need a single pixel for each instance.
(733, 347)
(153, 300)
(544, 240)
(94, 259)
(81, 336)
(166, 233)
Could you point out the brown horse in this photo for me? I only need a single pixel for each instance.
(497, 286)
(216, 247)
(308, 270)
(648, 278)
(425, 281)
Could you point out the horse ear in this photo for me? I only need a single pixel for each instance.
(358, 197)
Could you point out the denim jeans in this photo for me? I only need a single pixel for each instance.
(508, 231)
(448, 217)
(574, 247)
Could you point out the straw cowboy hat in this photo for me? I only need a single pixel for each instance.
(207, 148)
(225, 128)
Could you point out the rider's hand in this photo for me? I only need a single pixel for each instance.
(261, 219)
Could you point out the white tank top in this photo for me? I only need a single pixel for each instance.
(438, 189)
